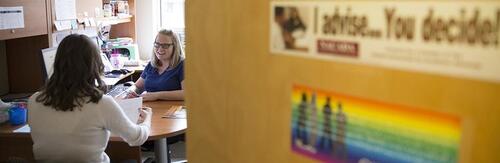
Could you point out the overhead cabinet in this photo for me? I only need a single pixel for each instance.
(35, 19)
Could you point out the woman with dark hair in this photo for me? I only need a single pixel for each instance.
(163, 77)
(70, 118)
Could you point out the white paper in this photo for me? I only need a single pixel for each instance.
(11, 17)
(131, 107)
(58, 37)
(62, 24)
(86, 22)
(107, 65)
(65, 9)
(90, 32)
(110, 80)
(24, 129)
(49, 56)
(92, 22)
(178, 114)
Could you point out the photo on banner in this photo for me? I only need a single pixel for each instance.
(333, 127)
(290, 27)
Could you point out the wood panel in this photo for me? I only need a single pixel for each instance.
(16, 148)
(4, 81)
(119, 151)
(238, 93)
(24, 63)
(35, 19)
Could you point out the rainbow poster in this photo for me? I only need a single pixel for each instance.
(332, 127)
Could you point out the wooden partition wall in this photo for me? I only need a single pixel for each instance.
(238, 93)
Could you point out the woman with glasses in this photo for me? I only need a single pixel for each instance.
(163, 77)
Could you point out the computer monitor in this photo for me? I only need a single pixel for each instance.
(49, 56)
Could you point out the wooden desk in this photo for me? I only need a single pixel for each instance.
(20, 144)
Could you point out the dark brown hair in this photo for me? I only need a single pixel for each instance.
(77, 75)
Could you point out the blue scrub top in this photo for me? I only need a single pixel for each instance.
(169, 80)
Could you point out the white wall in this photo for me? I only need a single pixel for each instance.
(4, 82)
(146, 25)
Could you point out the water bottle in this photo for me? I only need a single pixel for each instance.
(115, 61)
(17, 115)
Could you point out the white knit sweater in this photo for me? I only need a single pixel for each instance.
(81, 135)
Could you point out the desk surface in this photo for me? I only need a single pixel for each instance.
(160, 127)
(20, 144)
(164, 127)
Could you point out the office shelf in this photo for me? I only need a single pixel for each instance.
(113, 20)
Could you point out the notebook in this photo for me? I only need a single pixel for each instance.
(175, 112)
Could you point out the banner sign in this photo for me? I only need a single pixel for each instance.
(446, 37)
(332, 127)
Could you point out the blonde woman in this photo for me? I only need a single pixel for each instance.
(163, 77)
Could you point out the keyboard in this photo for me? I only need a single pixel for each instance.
(117, 90)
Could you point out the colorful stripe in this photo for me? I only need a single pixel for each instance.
(373, 130)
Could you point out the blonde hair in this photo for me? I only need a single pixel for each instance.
(178, 53)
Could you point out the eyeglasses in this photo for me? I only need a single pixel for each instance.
(163, 46)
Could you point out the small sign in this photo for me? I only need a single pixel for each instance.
(11, 17)
(333, 127)
(460, 39)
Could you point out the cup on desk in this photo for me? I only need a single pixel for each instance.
(17, 115)
(116, 61)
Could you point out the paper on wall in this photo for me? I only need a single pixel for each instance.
(11, 17)
(65, 9)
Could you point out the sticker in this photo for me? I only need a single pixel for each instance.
(332, 127)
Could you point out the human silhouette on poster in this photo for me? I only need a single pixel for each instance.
(322, 133)
(325, 144)
(313, 126)
(341, 121)
(302, 133)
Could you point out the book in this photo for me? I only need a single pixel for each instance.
(176, 112)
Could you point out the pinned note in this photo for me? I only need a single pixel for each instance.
(65, 9)
(11, 17)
